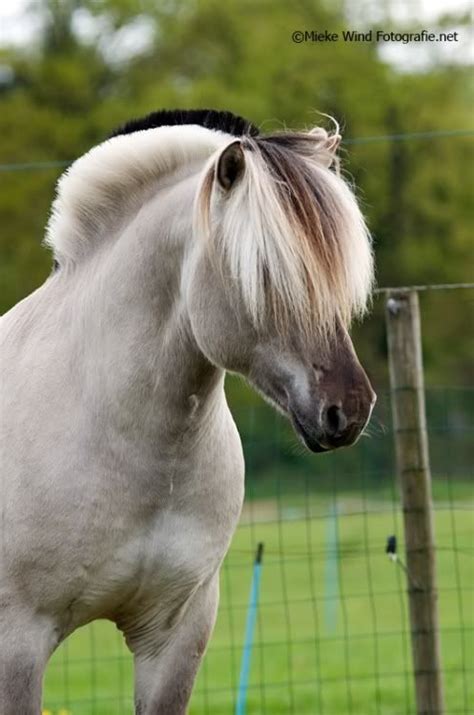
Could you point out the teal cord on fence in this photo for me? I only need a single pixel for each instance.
(241, 704)
(331, 579)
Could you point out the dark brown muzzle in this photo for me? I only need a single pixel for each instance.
(342, 404)
(342, 420)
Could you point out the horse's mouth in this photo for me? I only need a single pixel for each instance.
(309, 440)
(278, 396)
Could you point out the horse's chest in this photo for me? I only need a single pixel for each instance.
(178, 545)
(189, 538)
(159, 535)
(179, 551)
(159, 565)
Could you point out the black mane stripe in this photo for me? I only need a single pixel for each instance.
(209, 118)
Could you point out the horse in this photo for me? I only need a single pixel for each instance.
(186, 245)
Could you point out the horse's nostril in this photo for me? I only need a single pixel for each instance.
(336, 421)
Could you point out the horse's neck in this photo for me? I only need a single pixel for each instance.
(151, 370)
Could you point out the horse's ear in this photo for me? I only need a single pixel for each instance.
(328, 142)
(231, 165)
(332, 143)
(327, 145)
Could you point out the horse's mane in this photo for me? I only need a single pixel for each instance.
(292, 236)
(292, 233)
(226, 122)
(116, 177)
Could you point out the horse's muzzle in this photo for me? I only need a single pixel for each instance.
(333, 429)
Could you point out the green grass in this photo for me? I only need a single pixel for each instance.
(332, 635)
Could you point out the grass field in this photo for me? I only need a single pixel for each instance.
(332, 635)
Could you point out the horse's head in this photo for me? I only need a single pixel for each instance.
(283, 265)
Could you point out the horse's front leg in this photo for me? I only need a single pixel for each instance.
(25, 646)
(164, 679)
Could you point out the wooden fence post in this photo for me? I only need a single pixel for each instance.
(411, 444)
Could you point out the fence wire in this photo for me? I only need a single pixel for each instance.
(41, 165)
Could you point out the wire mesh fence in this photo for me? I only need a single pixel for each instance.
(332, 629)
(332, 633)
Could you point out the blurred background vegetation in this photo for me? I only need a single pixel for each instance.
(92, 64)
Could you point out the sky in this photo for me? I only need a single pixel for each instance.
(20, 28)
